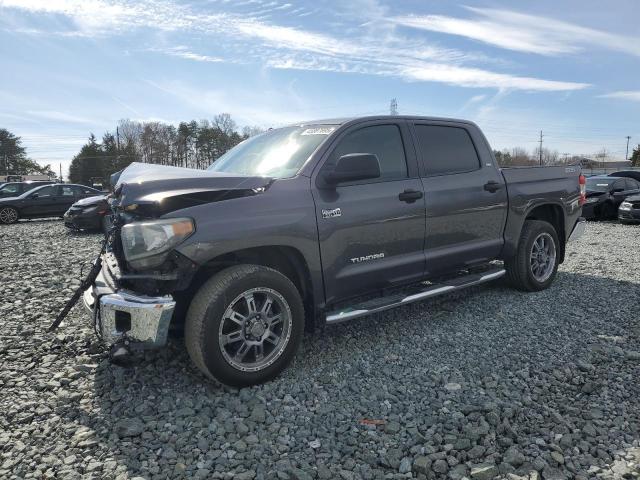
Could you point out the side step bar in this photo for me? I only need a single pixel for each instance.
(385, 303)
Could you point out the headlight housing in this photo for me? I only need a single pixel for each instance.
(625, 206)
(146, 244)
(592, 199)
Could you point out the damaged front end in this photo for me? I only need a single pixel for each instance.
(132, 299)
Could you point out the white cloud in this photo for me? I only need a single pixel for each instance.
(633, 95)
(245, 38)
(59, 116)
(522, 32)
(184, 52)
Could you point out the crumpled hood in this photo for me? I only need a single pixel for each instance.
(158, 189)
(90, 201)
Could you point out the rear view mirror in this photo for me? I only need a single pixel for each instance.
(353, 167)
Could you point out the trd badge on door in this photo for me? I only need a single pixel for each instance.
(336, 212)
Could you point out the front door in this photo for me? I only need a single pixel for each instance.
(372, 232)
(466, 197)
(41, 202)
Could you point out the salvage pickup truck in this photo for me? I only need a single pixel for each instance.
(320, 223)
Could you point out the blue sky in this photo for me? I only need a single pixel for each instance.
(570, 68)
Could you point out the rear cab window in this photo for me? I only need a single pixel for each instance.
(446, 150)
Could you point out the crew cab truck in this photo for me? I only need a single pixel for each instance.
(320, 223)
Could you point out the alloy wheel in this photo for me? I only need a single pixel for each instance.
(255, 329)
(8, 215)
(542, 259)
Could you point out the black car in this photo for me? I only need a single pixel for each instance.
(605, 194)
(15, 189)
(635, 174)
(629, 210)
(90, 213)
(44, 201)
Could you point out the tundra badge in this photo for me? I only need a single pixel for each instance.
(336, 212)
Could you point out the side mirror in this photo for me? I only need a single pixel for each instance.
(34, 195)
(617, 190)
(353, 167)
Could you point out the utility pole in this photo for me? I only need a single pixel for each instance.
(541, 147)
(393, 107)
(60, 172)
(626, 156)
(117, 139)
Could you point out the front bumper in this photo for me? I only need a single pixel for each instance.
(82, 221)
(578, 229)
(630, 214)
(589, 210)
(125, 315)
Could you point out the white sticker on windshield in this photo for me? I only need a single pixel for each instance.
(318, 131)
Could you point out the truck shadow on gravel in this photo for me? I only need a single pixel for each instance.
(513, 382)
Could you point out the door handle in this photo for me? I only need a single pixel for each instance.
(410, 196)
(492, 186)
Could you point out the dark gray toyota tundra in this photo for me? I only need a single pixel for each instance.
(320, 223)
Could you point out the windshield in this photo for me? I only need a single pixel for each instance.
(599, 184)
(278, 153)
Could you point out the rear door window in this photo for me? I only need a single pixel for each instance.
(46, 191)
(632, 184)
(67, 190)
(446, 150)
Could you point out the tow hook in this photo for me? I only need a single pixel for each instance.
(123, 354)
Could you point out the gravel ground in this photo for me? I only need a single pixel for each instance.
(490, 383)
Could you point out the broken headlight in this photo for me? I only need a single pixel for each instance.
(146, 244)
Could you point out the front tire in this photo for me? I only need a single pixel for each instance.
(244, 325)
(535, 264)
(9, 215)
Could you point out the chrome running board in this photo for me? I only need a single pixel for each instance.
(385, 303)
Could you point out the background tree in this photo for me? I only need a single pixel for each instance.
(13, 157)
(194, 144)
(635, 157)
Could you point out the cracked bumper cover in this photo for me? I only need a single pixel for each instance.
(128, 315)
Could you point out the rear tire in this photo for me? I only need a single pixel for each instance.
(535, 264)
(244, 325)
(9, 215)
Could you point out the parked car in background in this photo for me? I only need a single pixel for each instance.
(43, 201)
(635, 174)
(15, 189)
(92, 213)
(605, 194)
(629, 210)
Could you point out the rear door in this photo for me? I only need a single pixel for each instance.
(67, 196)
(372, 232)
(466, 196)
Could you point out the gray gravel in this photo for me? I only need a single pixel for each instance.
(488, 384)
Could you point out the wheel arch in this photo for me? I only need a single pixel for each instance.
(552, 214)
(285, 259)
